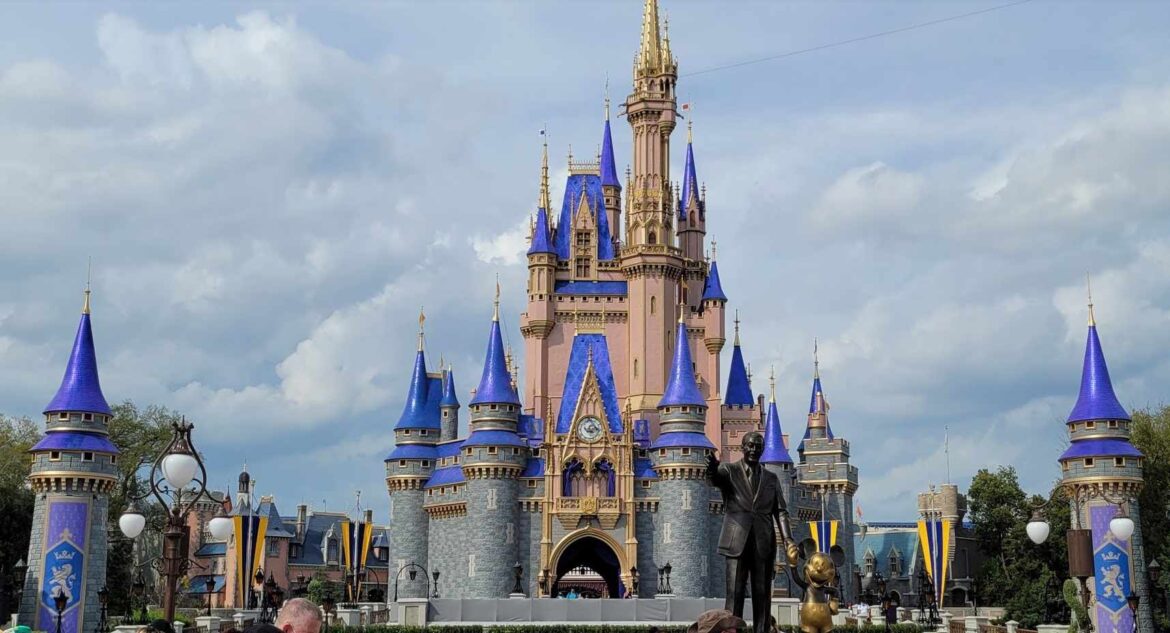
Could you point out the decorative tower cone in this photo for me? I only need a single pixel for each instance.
(74, 468)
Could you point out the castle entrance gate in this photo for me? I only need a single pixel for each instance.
(589, 565)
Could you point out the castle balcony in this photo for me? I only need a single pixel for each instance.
(570, 510)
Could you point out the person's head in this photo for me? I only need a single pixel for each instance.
(299, 616)
(718, 621)
(753, 447)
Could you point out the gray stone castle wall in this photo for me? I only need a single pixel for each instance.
(491, 505)
(717, 565)
(409, 538)
(36, 556)
(448, 555)
(685, 536)
(449, 424)
(645, 526)
(528, 547)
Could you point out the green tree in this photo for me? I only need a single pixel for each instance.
(1019, 575)
(17, 435)
(1151, 435)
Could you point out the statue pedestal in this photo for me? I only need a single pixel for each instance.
(786, 611)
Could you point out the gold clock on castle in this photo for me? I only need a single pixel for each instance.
(589, 429)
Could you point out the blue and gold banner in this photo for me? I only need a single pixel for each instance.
(64, 565)
(935, 537)
(355, 544)
(824, 534)
(250, 531)
(1112, 573)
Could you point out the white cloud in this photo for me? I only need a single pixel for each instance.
(507, 248)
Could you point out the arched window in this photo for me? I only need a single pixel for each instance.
(653, 305)
(573, 479)
(604, 481)
(653, 238)
(870, 562)
(692, 218)
(635, 368)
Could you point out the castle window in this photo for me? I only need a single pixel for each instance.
(491, 450)
(406, 432)
(686, 451)
(88, 417)
(584, 238)
(87, 457)
(113, 460)
(273, 548)
(662, 452)
(635, 368)
(1119, 462)
(653, 238)
(645, 483)
(515, 451)
(531, 483)
(492, 407)
(402, 463)
(653, 305)
(62, 416)
(1088, 462)
(54, 456)
(426, 463)
(582, 267)
(423, 432)
(686, 295)
(1090, 425)
(1113, 424)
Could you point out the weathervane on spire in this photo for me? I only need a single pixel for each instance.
(816, 360)
(422, 318)
(88, 276)
(736, 326)
(714, 245)
(772, 383)
(496, 303)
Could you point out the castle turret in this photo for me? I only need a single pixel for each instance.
(449, 408)
(692, 208)
(611, 187)
(410, 465)
(714, 308)
(739, 413)
(493, 457)
(1102, 469)
(74, 468)
(538, 320)
(679, 458)
(824, 468)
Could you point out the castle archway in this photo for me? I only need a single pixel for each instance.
(589, 563)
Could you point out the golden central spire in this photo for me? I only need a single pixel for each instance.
(650, 51)
(544, 196)
(1089, 288)
(88, 275)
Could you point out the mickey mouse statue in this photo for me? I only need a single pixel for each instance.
(818, 579)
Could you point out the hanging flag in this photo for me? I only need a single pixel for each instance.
(935, 538)
(824, 534)
(858, 509)
(686, 107)
(355, 546)
(250, 530)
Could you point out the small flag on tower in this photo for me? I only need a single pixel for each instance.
(686, 107)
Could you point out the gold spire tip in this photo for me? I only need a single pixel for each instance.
(1089, 289)
(772, 383)
(88, 276)
(422, 318)
(690, 132)
(816, 359)
(496, 303)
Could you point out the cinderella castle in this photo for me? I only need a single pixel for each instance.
(600, 468)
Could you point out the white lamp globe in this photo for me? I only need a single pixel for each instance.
(1038, 531)
(179, 469)
(131, 522)
(1121, 526)
(221, 527)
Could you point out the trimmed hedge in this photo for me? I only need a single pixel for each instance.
(581, 628)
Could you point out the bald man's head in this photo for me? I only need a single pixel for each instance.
(299, 616)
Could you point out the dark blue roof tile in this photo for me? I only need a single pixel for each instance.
(1101, 448)
(713, 288)
(534, 467)
(774, 450)
(495, 385)
(681, 439)
(541, 236)
(681, 388)
(739, 390)
(446, 476)
(80, 388)
(450, 399)
(75, 441)
(591, 186)
(575, 381)
(1096, 400)
(412, 451)
(493, 438)
(609, 177)
(417, 414)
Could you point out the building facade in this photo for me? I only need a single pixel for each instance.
(598, 460)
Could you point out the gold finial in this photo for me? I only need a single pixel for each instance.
(442, 362)
(570, 154)
(544, 196)
(714, 246)
(649, 57)
(736, 327)
(576, 321)
(88, 275)
(690, 132)
(816, 360)
(682, 306)
(422, 318)
(1089, 288)
(772, 383)
(496, 304)
(607, 96)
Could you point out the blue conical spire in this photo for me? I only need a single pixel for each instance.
(609, 177)
(690, 180)
(1096, 400)
(414, 413)
(739, 391)
(80, 389)
(712, 288)
(495, 386)
(681, 388)
(541, 241)
(817, 405)
(449, 397)
(774, 450)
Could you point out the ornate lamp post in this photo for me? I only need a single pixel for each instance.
(1133, 600)
(138, 590)
(1154, 571)
(103, 595)
(435, 575)
(210, 588)
(267, 597)
(518, 571)
(329, 606)
(175, 469)
(60, 601)
(412, 568)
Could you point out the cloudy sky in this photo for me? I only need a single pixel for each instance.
(269, 194)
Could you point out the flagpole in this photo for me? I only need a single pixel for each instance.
(947, 449)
